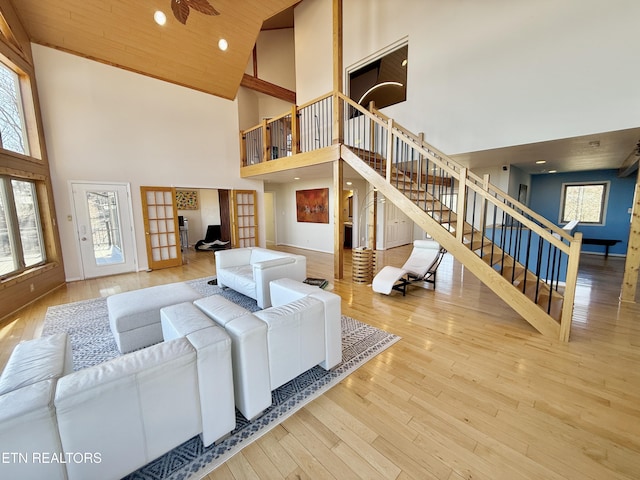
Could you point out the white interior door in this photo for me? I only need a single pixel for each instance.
(104, 228)
(398, 227)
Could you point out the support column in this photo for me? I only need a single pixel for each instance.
(338, 229)
(632, 263)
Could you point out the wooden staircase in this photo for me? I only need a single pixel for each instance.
(537, 301)
(529, 262)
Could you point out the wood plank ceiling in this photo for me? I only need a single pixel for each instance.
(124, 34)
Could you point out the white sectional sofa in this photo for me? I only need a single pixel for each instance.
(249, 270)
(108, 420)
(273, 346)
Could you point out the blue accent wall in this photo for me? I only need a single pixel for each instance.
(545, 198)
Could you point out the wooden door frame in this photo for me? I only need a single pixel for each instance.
(171, 262)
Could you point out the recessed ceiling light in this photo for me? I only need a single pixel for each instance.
(553, 171)
(296, 178)
(540, 162)
(349, 183)
(404, 62)
(160, 18)
(223, 44)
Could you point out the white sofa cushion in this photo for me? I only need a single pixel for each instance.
(295, 338)
(182, 319)
(130, 409)
(36, 360)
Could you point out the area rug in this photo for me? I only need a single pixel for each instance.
(87, 323)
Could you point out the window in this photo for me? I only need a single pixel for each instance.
(383, 81)
(12, 126)
(21, 242)
(585, 202)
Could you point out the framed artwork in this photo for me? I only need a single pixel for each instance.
(312, 206)
(187, 199)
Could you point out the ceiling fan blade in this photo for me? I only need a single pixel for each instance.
(180, 10)
(202, 6)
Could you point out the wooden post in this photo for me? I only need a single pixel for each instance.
(295, 131)
(632, 263)
(372, 222)
(483, 204)
(338, 230)
(243, 150)
(389, 149)
(462, 202)
(266, 141)
(570, 289)
(338, 105)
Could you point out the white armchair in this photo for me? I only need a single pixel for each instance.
(250, 270)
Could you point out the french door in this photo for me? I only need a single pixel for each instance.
(161, 229)
(244, 218)
(104, 228)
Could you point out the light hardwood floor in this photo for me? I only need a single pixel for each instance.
(470, 392)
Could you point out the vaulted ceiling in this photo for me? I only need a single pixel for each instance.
(124, 34)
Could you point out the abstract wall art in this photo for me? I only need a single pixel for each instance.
(187, 199)
(313, 205)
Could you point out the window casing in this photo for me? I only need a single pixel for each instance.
(21, 239)
(13, 133)
(585, 202)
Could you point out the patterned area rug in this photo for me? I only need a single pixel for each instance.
(87, 323)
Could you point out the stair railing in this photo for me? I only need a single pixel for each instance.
(535, 255)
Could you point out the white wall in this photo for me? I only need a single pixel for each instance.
(276, 64)
(276, 57)
(314, 51)
(312, 236)
(493, 73)
(106, 124)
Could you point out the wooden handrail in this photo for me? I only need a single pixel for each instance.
(279, 117)
(552, 227)
(251, 129)
(315, 100)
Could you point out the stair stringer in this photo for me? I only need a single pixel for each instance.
(531, 312)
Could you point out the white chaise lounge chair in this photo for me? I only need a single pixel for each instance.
(420, 267)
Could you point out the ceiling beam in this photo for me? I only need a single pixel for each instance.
(262, 86)
(630, 164)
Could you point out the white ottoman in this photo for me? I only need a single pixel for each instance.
(134, 316)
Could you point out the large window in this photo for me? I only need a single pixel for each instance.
(21, 243)
(12, 126)
(585, 202)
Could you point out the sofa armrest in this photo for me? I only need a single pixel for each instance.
(274, 262)
(215, 382)
(250, 358)
(332, 327)
(28, 432)
(233, 257)
(293, 268)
